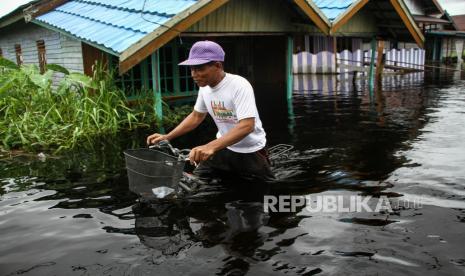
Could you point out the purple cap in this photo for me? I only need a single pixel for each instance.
(203, 52)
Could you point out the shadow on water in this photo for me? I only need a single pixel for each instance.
(237, 227)
(347, 142)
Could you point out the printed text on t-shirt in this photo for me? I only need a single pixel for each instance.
(223, 114)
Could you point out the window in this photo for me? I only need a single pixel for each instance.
(167, 72)
(134, 81)
(186, 82)
(41, 53)
(174, 80)
(19, 55)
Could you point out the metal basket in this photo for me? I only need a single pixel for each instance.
(148, 169)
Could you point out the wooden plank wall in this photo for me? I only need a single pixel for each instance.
(90, 55)
(245, 16)
(59, 49)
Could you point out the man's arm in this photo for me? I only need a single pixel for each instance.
(236, 134)
(189, 123)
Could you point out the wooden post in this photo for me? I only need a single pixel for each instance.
(379, 63)
(380, 107)
(378, 92)
(289, 76)
(157, 101)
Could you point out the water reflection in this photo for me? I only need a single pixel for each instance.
(343, 84)
(169, 228)
(435, 157)
(400, 142)
(240, 228)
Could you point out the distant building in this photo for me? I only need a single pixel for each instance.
(443, 38)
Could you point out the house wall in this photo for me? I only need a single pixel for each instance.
(449, 47)
(59, 49)
(459, 43)
(362, 24)
(254, 16)
(91, 55)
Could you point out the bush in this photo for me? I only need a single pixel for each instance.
(37, 114)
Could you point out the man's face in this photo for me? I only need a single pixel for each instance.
(205, 74)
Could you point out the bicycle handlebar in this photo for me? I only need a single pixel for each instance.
(181, 154)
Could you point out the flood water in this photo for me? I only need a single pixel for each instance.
(75, 215)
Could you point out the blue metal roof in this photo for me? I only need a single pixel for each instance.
(113, 24)
(333, 8)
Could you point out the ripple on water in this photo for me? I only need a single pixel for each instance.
(406, 144)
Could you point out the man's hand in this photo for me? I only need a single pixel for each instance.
(189, 123)
(156, 138)
(201, 153)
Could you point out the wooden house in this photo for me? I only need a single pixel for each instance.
(266, 41)
(443, 38)
(31, 44)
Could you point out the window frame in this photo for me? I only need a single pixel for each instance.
(41, 54)
(19, 54)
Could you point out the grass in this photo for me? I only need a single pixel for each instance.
(40, 115)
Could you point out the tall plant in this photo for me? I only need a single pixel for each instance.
(60, 110)
(38, 113)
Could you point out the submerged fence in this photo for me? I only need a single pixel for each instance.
(324, 62)
(332, 84)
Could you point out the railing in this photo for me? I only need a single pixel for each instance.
(325, 62)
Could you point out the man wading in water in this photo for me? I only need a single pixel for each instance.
(239, 146)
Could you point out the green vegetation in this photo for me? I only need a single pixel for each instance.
(37, 114)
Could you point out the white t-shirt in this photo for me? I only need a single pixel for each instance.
(228, 102)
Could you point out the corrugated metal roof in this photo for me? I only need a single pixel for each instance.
(113, 24)
(333, 8)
